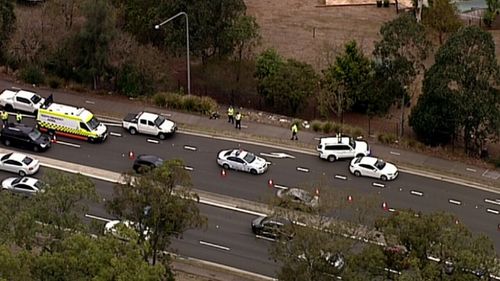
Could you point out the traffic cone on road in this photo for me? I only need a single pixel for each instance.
(131, 155)
(53, 139)
(270, 183)
(349, 198)
(384, 206)
(223, 173)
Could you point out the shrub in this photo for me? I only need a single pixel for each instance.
(55, 82)
(496, 162)
(204, 105)
(32, 74)
(316, 125)
(160, 100)
(173, 101)
(131, 81)
(387, 138)
(208, 105)
(357, 132)
(346, 130)
(327, 127)
(336, 128)
(189, 103)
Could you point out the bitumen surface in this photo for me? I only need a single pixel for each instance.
(107, 106)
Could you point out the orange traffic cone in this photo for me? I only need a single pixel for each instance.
(53, 139)
(349, 198)
(317, 192)
(223, 173)
(131, 154)
(270, 183)
(384, 206)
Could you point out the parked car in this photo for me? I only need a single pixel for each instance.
(145, 162)
(22, 100)
(241, 160)
(341, 146)
(271, 227)
(23, 185)
(19, 163)
(124, 230)
(297, 198)
(336, 261)
(373, 167)
(150, 124)
(25, 136)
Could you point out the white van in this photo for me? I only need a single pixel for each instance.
(341, 146)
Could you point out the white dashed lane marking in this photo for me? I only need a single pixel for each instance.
(68, 144)
(192, 148)
(340, 177)
(305, 170)
(188, 168)
(395, 153)
(214, 245)
(416, 193)
(492, 211)
(378, 184)
(456, 202)
(153, 141)
(115, 134)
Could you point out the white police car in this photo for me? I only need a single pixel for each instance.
(242, 160)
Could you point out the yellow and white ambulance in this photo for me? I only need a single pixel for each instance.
(70, 121)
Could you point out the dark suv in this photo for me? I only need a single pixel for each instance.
(24, 136)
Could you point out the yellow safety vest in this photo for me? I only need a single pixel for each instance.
(230, 111)
(5, 115)
(294, 128)
(19, 117)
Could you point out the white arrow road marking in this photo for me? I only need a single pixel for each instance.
(97, 218)
(456, 202)
(153, 141)
(192, 148)
(68, 144)
(188, 168)
(340, 177)
(277, 155)
(214, 245)
(378, 184)
(395, 153)
(115, 134)
(493, 211)
(305, 170)
(492, 201)
(417, 193)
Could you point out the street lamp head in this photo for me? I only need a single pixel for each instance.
(157, 26)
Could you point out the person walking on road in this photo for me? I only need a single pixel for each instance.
(295, 129)
(5, 117)
(230, 115)
(238, 120)
(19, 117)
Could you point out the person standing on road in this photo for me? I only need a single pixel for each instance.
(5, 117)
(295, 129)
(238, 120)
(19, 117)
(230, 115)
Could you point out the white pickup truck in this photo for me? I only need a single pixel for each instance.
(22, 100)
(149, 124)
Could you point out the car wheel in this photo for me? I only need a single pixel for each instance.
(383, 177)
(22, 173)
(6, 142)
(225, 166)
(357, 173)
(132, 131)
(162, 136)
(332, 158)
(253, 171)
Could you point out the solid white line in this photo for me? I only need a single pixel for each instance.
(492, 201)
(188, 168)
(281, 186)
(265, 238)
(471, 170)
(153, 141)
(214, 245)
(68, 144)
(300, 169)
(232, 208)
(493, 211)
(91, 102)
(378, 184)
(395, 153)
(97, 218)
(340, 177)
(417, 193)
(192, 148)
(77, 172)
(115, 134)
(456, 202)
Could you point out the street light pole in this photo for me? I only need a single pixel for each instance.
(187, 46)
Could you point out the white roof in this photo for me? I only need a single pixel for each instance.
(26, 94)
(149, 116)
(368, 160)
(29, 180)
(336, 140)
(17, 156)
(70, 110)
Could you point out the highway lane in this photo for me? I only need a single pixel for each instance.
(206, 175)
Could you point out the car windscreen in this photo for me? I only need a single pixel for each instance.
(352, 142)
(27, 160)
(38, 184)
(16, 181)
(93, 123)
(249, 157)
(380, 164)
(6, 156)
(35, 99)
(34, 134)
(159, 121)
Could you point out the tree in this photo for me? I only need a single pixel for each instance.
(245, 35)
(441, 16)
(344, 82)
(80, 257)
(7, 25)
(15, 266)
(94, 39)
(159, 203)
(465, 74)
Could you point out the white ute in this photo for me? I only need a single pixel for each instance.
(22, 100)
(149, 124)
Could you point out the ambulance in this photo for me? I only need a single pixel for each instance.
(70, 121)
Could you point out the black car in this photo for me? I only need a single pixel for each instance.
(25, 136)
(271, 227)
(145, 162)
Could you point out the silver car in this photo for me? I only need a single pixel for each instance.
(19, 163)
(23, 185)
(241, 160)
(296, 197)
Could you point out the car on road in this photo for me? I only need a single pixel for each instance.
(25, 136)
(242, 160)
(373, 167)
(27, 186)
(297, 198)
(21, 100)
(271, 227)
(19, 163)
(124, 230)
(341, 146)
(146, 162)
(336, 261)
(150, 124)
